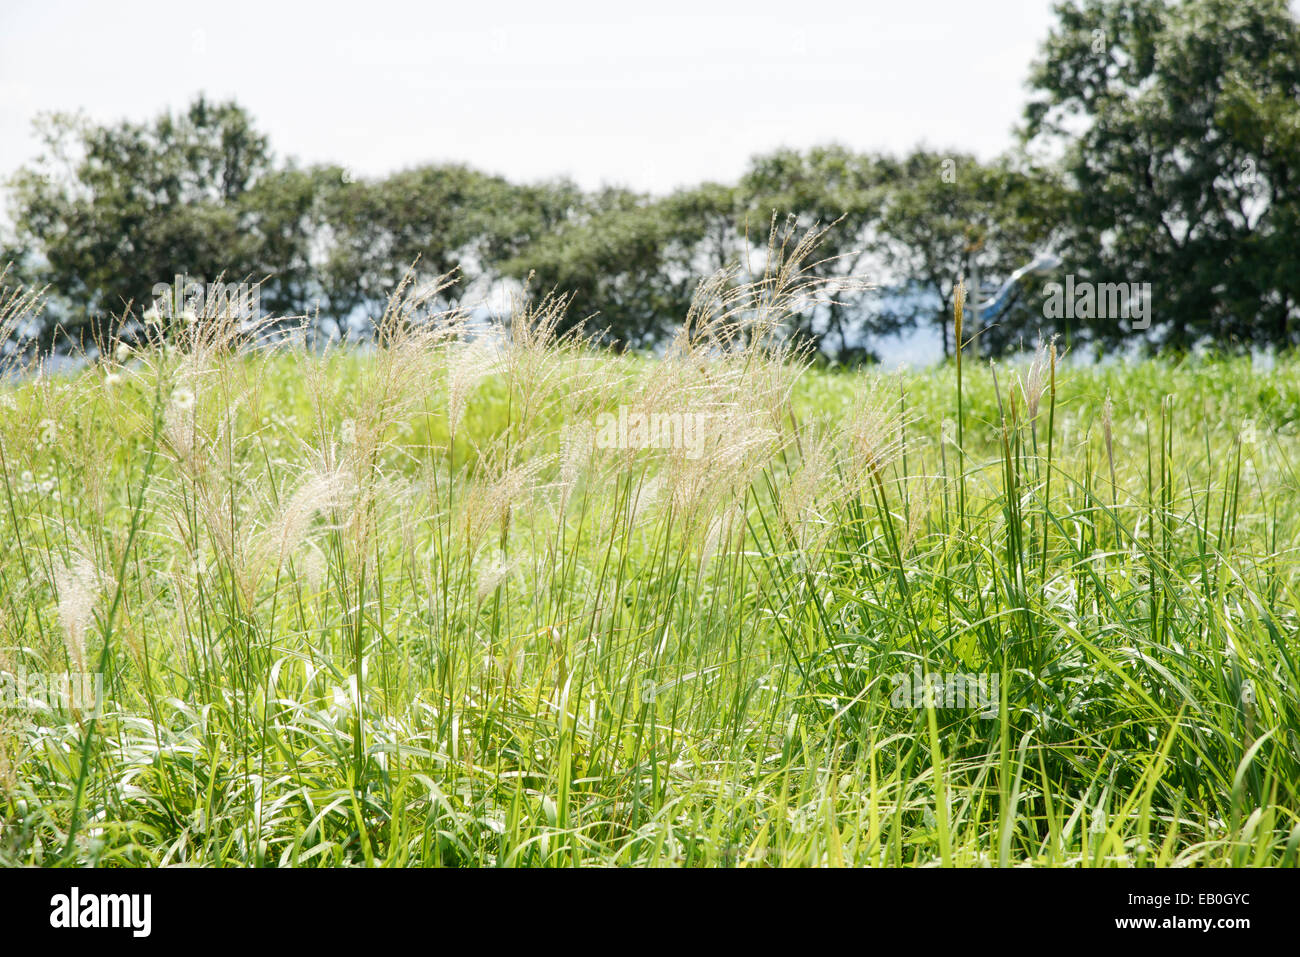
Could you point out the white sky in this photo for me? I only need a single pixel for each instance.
(657, 96)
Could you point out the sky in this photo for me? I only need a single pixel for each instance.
(652, 96)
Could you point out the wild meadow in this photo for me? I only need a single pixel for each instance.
(459, 600)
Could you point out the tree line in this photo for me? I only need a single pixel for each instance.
(1160, 145)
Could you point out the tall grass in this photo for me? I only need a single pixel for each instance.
(406, 607)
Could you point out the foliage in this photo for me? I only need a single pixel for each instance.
(951, 218)
(115, 209)
(406, 607)
(1181, 133)
(1160, 147)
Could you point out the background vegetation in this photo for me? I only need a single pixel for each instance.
(1161, 144)
(403, 607)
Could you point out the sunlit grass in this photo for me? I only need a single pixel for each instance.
(402, 608)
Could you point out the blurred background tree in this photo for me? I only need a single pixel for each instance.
(1161, 144)
(108, 211)
(1179, 131)
(823, 186)
(630, 262)
(948, 217)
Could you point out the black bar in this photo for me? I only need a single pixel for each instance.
(222, 907)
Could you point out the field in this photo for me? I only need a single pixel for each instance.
(441, 602)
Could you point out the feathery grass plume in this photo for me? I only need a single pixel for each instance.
(314, 568)
(503, 480)
(647, 495)
(712, 320)
(724, 533)
(538, 360)
(577, 447)
(808, 496)
(490, 572)
(1034, 380)
(958, 315)
(321, 491)
(734, 366)
(184, 613)
(874, 431)
(736, 446)
(927, 491)
(794, 281)
(728, 316)
(215, 514)
(408, 337)
(77, 584)
(189, 424)
(36, 428)
(19, 308)
(468, 363)
(1107, 431)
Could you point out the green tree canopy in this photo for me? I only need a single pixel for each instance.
(1179, 127)
(630, 263)
(949, 217)
(113, 210)
(820, 187)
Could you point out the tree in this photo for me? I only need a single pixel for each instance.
(114, 210)
(949, 217)
(285, 220)
(630, 264)
(1178, 128)
(381, 228)
(439, 219)
(824, 186)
